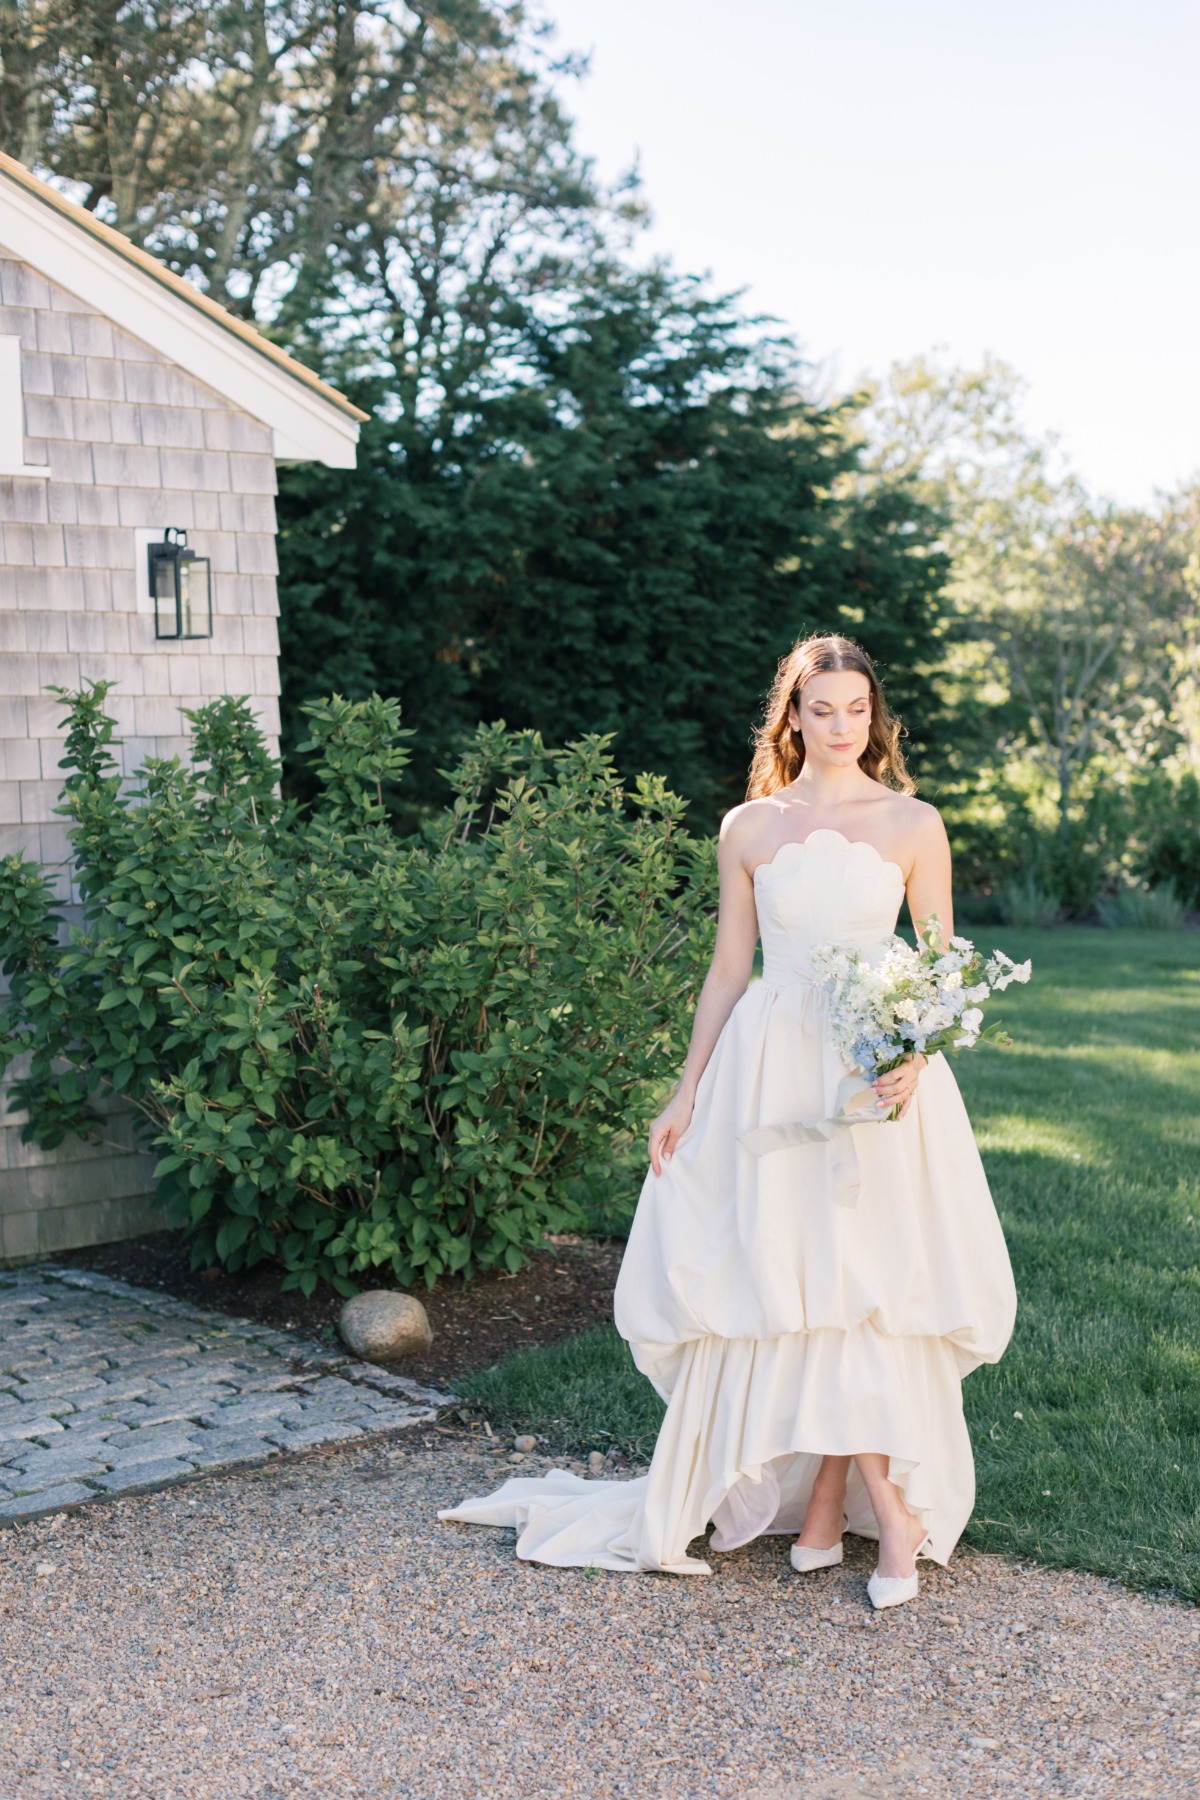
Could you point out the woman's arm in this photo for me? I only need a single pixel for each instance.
(928, 888)
(929, 881)
(724, 985)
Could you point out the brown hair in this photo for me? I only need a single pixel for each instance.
(779, 751)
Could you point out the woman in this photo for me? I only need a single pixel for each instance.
(807, 1306)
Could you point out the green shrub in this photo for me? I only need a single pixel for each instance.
(1033, 867)
(1144, 909)
(1024, 903)
(1172, 853)
(357, 1051)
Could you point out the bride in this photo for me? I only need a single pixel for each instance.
(806, 1306)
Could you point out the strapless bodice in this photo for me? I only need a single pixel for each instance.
(824, 888)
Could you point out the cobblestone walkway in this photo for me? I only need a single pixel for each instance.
(105, 1388)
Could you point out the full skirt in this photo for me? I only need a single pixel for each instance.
(790, 1299)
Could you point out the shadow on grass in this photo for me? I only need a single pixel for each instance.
(581, 1395)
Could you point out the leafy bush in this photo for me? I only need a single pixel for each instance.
(1172, 853)
(1143, 908)
(359, 1051)
(1016, 865)
(1013, 853)
(1076, 859)
(1024, 903)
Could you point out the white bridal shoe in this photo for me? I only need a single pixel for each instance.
(894, 1590)
(805, 1559)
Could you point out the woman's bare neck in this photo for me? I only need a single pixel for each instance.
(829, 790)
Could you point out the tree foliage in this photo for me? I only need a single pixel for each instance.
(373, 177)
(1074, 653)
(592, 498)
(623, 537)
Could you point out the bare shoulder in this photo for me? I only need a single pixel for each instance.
(917, 832)
(921, 822)
(743, 829)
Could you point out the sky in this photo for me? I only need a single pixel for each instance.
(891, 176)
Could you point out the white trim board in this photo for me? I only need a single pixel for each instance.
(305, 426)
(12, 415)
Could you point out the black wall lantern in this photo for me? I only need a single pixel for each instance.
(181, 588)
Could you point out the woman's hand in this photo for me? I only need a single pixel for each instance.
(667, 1130)
(899, 1084)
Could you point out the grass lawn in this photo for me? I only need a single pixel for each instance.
(1090, 1131)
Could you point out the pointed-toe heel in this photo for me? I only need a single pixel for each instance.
(805, 1559)
(894, 1590)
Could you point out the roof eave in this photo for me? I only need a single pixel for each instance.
(310, 420)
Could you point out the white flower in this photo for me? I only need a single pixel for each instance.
(1014, 972)
(908, 999)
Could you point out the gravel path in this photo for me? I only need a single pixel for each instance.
(308, 1628)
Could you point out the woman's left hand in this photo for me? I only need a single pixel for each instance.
(899, 1084)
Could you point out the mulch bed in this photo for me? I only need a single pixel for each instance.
(563, 1290)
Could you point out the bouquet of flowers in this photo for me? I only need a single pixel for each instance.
(913, 999)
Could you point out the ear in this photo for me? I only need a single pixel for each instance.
(794, 717)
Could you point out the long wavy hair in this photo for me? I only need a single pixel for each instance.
(779, 751)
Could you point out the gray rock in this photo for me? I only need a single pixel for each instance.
(525, 1442)
(384, 1324)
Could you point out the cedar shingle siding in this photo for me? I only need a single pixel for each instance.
(131, 442)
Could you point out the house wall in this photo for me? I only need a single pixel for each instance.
(131, 441)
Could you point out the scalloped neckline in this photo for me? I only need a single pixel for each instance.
(828, 831)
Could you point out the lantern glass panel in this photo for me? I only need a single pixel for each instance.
(187, 597)
(195, 597)
(166, 612)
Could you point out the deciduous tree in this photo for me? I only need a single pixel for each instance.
(1076, 622)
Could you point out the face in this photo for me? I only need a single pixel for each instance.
(834, 716)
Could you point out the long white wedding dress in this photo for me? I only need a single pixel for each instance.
(791, 1299)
